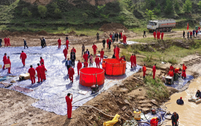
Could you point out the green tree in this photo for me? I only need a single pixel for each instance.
(26, 12)
(150, 14)
(150, 4)
(176, 5)
(187, 6)
(85, 16)
(157, 9)
(42, 10)
(168, 7)
(57, 12)
(199, 4)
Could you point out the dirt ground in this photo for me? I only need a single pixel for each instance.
(16, 108)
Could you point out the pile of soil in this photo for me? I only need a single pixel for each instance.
(72, 33)
(42, 32)
(116, 27)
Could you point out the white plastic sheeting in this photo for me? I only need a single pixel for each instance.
(51, 93)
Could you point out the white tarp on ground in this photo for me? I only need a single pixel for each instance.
(130, 42)
(51, 93)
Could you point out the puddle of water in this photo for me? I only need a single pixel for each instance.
(189, 113)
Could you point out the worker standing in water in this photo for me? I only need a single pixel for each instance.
(154, 71)
(180, 101)
(175, 118)
(144, 69)
(32, 74)
(69, 104)
(23, 57)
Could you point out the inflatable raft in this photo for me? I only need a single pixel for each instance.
(194, 99)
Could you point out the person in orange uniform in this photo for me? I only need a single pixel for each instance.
(171, 67)
(101, 54)
(43, 76)
(71, 73)
(8, 62)
(4, 60)
(65, 52)
(85, 56)
(124, 39)
(69, 104)
(183, 74)
(73, 50)
(162, 34)
(171, 73)
(23, 57)
(94, 48)
(154, 34)
(97, 61)
(79, 66)
(67, 42)
(184, 67)
(177, 70)
(85, 64)
(116, 52)
(32, 74)
(42, 61)
(59, 43)
(132, 61)
(39, 72)
(154, 71)
(144, 69)
(184, 71)
(154, 121)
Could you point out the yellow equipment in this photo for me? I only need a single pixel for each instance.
(137, 115)
(112, 122)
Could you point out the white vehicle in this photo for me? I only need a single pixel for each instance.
(161, 25)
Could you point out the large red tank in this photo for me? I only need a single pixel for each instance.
(90, 76)
(115, 67)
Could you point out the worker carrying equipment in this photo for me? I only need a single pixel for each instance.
(137, 115)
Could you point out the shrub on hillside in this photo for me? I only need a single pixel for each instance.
(42, 10)
(26, 12)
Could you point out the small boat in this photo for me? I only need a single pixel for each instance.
(194, 99)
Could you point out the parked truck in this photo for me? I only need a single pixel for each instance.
(161, 25)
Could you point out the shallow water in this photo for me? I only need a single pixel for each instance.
(189, 113)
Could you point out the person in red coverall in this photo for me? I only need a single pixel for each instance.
(71, 73)
(171, 73)
(4, 60)
(5, 42)
(154, 121)
(111, 35)
(69, 104)
(162, 34)
(67, 42)
(158, 34)
(32, 74)
(154, 34)
(23, 57)
(85, 64)
(132, 61)
(144, 69)
(154, 71)
(116, 52)
(73, 50)
(8, 62)
(42, 61)
(183, 74)
(184, 67)
(85, 56)
(43, 76)
(108, 42)
(59, 43)
(184, 70)
(97, 61)
(65, 52)
(124, 39)
(101, 54)
(79, 66)
(8, 42)
(94, 48)
(39, 73)
(171, 67)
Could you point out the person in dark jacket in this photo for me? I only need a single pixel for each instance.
(109, 43)
(144, 34)
(97, 35)
(174, 119)
(116, 36)
(183, 34)
(25, 43)
(103, 43)
(0, 42)
(198, 94)
(72, 58)
(180, 101)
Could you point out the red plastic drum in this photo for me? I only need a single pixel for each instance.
(115, 67)
(90, 76)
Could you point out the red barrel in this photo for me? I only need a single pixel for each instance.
(115, 67)
(90, 76)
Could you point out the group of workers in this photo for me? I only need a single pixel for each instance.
(191, 34)
(6, 42)
(158, 35)
(175, 72)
